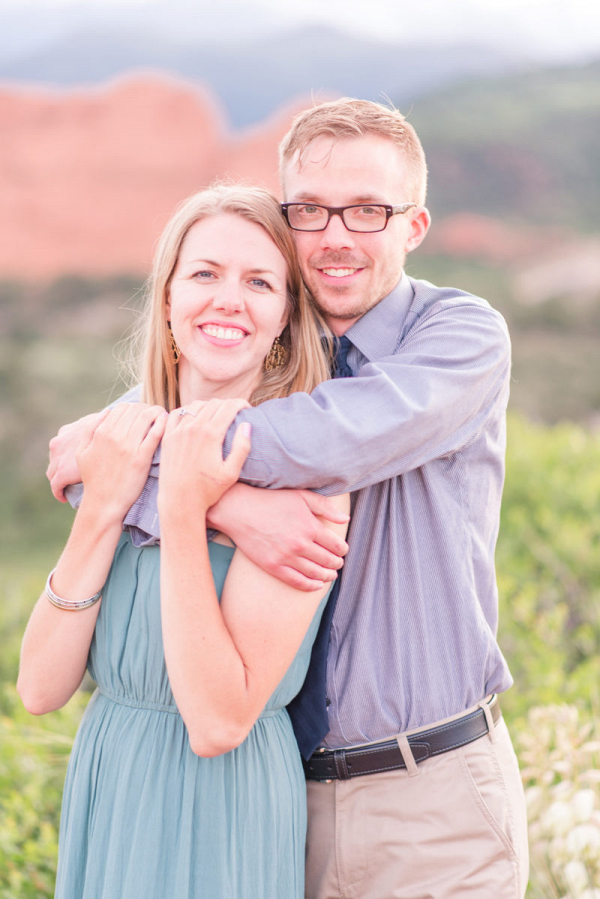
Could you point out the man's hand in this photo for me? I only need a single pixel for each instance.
(282, 532)
(63, 469)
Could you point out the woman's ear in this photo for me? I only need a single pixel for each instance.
(285, 320)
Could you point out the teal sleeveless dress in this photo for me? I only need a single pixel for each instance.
(144, 817)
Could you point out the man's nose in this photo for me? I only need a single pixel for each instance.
(336, 235)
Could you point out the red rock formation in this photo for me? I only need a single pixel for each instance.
(471, 236)
(89, 177)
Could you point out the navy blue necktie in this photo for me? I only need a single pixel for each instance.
(308, 710)
(341, 369)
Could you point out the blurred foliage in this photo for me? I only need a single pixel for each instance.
(548, 565)
(57, 361)
(33, 758)
(559, 753)
(524, 147)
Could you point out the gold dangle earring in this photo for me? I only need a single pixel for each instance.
(276, 356)
(175, 349)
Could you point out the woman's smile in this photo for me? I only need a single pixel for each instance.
(222, 333)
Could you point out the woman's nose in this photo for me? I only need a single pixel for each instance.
(229, 298)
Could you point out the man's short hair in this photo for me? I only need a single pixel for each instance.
(348, 117)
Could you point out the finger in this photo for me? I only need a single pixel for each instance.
(87, 433)
(218, 415)
(51, 470)
(172, 422)
(213, 406)
(156, 432)
(297, 580)
(331, 542)
(109, 419)
(317, 556)
(309, 569)
(143, 422)
(324, 506)
(240, 447)
(58, 489)
(100, 416)
(195, 406)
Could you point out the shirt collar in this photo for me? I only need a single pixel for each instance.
(378, 331)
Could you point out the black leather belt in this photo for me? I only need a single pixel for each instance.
(341, 764)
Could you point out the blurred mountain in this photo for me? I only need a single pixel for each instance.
(251, 78)
(88, 177)
(524, 147)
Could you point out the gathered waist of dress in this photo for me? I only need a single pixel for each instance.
(133, 702)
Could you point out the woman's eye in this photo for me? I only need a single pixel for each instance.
(204, 275)
(259, 282)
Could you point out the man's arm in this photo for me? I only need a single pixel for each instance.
(281, 530)
(424, 402)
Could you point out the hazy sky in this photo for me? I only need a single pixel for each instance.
(548, 28)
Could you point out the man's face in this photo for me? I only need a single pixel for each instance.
(349, 272)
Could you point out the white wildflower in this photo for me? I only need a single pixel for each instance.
(558, 819)
(584, 802)
(584, 840)
(576, 876)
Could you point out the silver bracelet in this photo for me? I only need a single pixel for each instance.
(68, 604)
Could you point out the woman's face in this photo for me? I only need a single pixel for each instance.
(227, 304)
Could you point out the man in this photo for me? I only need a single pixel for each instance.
(414, 789)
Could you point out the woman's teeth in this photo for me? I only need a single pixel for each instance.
(223, 333)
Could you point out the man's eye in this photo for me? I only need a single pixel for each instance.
(309, 210)
(369, 210)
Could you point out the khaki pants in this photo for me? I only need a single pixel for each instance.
(455, 827)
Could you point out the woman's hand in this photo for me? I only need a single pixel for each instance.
(193, 473)
(62, 466)
(115, 455)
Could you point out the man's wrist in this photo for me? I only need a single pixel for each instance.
(223, 512)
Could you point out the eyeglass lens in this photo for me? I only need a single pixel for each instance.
(305, 217)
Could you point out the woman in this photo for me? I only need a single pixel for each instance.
(185, 780)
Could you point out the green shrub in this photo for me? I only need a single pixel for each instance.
(33, 761)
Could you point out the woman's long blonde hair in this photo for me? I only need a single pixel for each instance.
(307, 361)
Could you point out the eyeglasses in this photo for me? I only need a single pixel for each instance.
(369, 217)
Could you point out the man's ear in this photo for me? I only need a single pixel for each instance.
(419, 226)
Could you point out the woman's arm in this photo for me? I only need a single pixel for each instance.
(224, 661)
(114, 459)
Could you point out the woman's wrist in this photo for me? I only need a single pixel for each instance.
(174, 507)
(102, 514)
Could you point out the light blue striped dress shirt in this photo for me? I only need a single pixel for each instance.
(418, 435)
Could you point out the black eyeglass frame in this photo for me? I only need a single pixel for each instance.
(339, 210)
